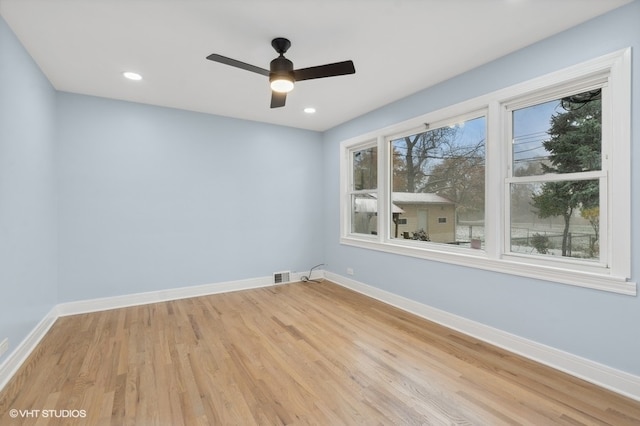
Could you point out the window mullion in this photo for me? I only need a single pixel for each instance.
(494, 175)
(384, 162)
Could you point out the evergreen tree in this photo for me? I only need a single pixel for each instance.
(574, 146)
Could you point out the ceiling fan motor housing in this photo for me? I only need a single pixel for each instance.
(281, 67)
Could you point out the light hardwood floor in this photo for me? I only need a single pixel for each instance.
(312, 353)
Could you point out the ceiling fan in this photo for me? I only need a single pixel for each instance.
(281, 74)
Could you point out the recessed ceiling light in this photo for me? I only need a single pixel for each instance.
(132, 75)
(310, 110)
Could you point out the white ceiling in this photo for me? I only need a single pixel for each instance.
(398, 46)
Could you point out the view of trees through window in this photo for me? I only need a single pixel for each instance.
(364, 204)
(365, 169)
(438, 184)
(552, 215)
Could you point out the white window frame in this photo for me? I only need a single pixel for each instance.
(596, 81)
(443, 118)
(349, 189)
(613, 73)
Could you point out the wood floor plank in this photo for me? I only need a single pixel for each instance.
(302, 353)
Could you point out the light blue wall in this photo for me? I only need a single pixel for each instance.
(147, 198)
(596, 325)
(154, 198)
(142, 198)
(28, 273)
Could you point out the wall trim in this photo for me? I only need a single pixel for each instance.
(21, 353)
(604, 376)
(127, 300)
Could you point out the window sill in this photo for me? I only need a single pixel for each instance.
(478, 259)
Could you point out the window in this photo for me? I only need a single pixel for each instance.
(557, 177)
(532, 180)
(363, 190)
(438, 183)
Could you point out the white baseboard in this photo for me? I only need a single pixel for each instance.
(20, 354)
(115, 302)
(607, 377)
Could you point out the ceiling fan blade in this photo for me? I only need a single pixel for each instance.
(278, 99)
(321, 71)
(234, 63)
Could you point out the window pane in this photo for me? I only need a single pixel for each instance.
(560, 136)
(364, 214)
(365, 169)
(556, 218)
(438, 185)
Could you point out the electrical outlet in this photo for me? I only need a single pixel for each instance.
(350, 271)
(4, 345)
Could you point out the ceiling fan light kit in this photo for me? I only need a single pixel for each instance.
(281, 74)
(281, 84)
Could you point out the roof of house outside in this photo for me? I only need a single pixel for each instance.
(370, 205)
(419, 198)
